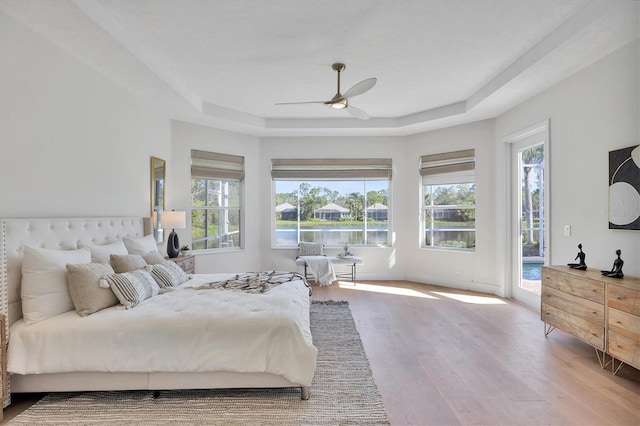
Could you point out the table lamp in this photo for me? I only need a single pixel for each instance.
(174, 220)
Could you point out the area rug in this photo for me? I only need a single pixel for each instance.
(343, 392)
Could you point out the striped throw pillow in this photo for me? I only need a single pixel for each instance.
(132, 287)
(168, 274)
(310, 249)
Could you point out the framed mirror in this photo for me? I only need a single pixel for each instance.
(158, 168)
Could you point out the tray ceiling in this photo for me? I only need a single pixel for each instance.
(438, 63)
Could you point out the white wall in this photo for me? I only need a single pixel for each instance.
(468, 270)
(380, 262)
(72, 143)
(186, 136)
(591, 113)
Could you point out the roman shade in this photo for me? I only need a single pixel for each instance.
(331, 168)
(452, 167)
(212, 165)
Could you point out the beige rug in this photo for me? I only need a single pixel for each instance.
(343, 392)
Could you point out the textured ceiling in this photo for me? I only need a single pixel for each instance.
(226, 63)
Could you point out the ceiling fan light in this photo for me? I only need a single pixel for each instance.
(339, 104)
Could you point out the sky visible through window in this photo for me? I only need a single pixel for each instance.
(342, 186)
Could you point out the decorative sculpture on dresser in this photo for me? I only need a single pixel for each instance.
(581, 255)
(616, 270)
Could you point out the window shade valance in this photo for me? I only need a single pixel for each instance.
(456, 163)
(331, 168)
(212, 165)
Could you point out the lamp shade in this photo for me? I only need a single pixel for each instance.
(174, 219)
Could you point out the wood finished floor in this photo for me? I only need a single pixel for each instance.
(447, 357)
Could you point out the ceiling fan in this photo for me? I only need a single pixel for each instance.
(340, 101)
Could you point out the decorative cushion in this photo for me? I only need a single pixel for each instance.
(168, 274)
(127, 262)
(153, 258)
(84, 286)
(141, 245)
(132, 287)
(44, 288)
(311, 249)
(100, 254)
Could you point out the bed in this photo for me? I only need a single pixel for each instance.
(190, 336)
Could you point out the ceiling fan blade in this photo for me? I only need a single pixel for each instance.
(357, 112)
(296, 103)
(360, 88)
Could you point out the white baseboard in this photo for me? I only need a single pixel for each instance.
(461, 285)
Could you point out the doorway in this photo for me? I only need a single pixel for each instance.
(529, 185)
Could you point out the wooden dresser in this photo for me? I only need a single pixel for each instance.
(186, 262)
(601, 311)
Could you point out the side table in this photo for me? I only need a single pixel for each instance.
(186, 262)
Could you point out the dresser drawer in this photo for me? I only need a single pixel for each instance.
(624, 299)
(624, 323)
(187, 263)
(580, 307)
(624, 348)
(585, 330)
(574, 284)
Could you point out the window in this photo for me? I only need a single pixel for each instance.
(216, 200)
(449, 200)
(334, 201)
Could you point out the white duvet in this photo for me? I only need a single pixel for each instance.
(184, 330)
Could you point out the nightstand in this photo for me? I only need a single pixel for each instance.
(186, 262)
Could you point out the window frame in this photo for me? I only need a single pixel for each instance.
(446, 169)
(336, 170)
(218, 169)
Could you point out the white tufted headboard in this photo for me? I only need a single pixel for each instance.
(56, 233)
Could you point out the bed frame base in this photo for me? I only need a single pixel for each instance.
(77, 382)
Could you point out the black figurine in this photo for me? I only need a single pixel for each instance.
(616, 271)
(581, 255)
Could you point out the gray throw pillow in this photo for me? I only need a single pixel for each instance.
(127, 262)
(84, 287)
(153, 258)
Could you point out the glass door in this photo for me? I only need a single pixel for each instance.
(528, 217)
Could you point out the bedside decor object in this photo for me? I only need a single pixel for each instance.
(616, 270)
(345, 252)
(581, 255)
(624, 188)
(174, 220)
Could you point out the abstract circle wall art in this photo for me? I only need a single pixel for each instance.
(624, 188)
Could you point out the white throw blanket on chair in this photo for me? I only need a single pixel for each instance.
(321, 268)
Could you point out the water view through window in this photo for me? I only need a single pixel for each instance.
(449, 215)
(333, 212)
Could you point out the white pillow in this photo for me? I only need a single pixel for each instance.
(45, 292)
(141, 246)
(100, 254)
